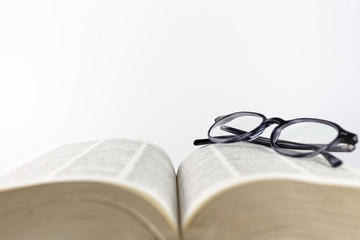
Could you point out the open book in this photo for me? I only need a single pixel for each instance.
(128, 189)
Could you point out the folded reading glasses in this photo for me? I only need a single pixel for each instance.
(301, 137)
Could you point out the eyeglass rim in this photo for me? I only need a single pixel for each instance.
(277, 130)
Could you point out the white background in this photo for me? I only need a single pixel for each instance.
(162, 70)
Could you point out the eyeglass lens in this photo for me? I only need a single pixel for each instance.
(310, 133)
(243, 123)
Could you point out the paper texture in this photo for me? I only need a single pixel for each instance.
(215, 167)
(136, 163)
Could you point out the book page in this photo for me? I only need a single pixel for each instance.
(212, 168)
(135, 163)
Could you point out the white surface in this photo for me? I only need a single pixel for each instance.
(162, 70)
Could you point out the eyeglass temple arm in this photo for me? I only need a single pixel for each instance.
(334, 161)
(288, 144)
(204, 141)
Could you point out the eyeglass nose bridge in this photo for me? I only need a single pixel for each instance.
(274, 120)
(268, 122)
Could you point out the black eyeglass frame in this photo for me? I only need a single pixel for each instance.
(344, 142)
